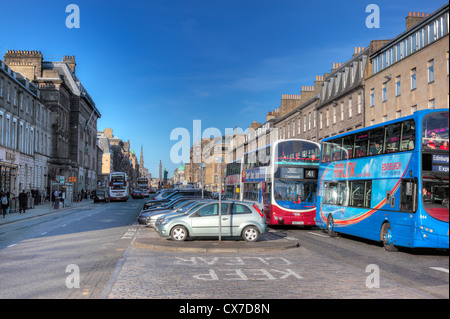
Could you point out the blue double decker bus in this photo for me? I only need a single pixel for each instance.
(388, 182)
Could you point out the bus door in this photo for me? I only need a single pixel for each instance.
(405, 203)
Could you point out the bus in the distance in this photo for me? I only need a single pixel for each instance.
(389, 182)
(282, 178)
(118, 186)
(142, 183)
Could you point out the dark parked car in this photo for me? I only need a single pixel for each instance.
(173, 194)
(101, 195)
(137, 193)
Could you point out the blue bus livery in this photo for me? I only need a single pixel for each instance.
(388, 182)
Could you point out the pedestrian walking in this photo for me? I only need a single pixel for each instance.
(4, 203)
(22, 202)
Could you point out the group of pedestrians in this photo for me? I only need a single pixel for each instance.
(5, 202)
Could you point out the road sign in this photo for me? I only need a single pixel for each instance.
(60, 179)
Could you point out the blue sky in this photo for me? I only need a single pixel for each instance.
(152, 66)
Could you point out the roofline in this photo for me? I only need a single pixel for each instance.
(413, 29)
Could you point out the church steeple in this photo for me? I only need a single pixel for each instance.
(141, 160)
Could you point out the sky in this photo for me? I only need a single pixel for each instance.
(156, 65)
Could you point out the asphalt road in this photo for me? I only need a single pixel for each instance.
(46, 256)
(69, 254)
(423, 269)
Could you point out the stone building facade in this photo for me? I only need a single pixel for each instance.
(72, 119)
(411, 72)
(24, 134)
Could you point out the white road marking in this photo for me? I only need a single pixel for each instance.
(440, 269)
(129, 234)
(316, 234)
(11, 245)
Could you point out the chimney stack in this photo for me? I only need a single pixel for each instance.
(414, 17)
(70, 61)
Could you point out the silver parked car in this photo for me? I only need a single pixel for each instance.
(186, 207)
(145, 215)
(243, 219)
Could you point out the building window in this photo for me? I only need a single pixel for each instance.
(359, 103)
(328, 118)
(342, 111)
(413, 79)
(384, 92)
(431, 104)
(398, 114)
(447, 68)
(398, 86)
(334, 115)
(413, 109)
(1, 128)
(372, 122)
(350, 108)
(430, 71)
(320, 120)
(314, 121)
(384, 118)
(309, 121)
(372, 97)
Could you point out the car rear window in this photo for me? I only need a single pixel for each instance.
(240, 209)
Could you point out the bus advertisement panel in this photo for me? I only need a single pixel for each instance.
(385, 183)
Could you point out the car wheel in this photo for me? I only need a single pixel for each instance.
(250, 233)
(179, 233)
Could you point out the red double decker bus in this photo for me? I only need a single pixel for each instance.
(282, 179)
(289, 192)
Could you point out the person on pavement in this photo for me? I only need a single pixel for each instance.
(4, 203)
(22, 202)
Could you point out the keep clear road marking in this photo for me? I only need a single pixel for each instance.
(129, 234)
(440, 269)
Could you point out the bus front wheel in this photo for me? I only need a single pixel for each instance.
(386, 237)
(330, 226)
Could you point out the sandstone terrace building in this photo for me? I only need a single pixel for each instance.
(410, 73)
(24, 134)
(70, 115)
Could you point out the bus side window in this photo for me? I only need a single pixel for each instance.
(408, 136)
(326, 152)
(347, 147)
(393, 137)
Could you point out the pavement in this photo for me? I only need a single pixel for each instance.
(39, 210)
(148, 238)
